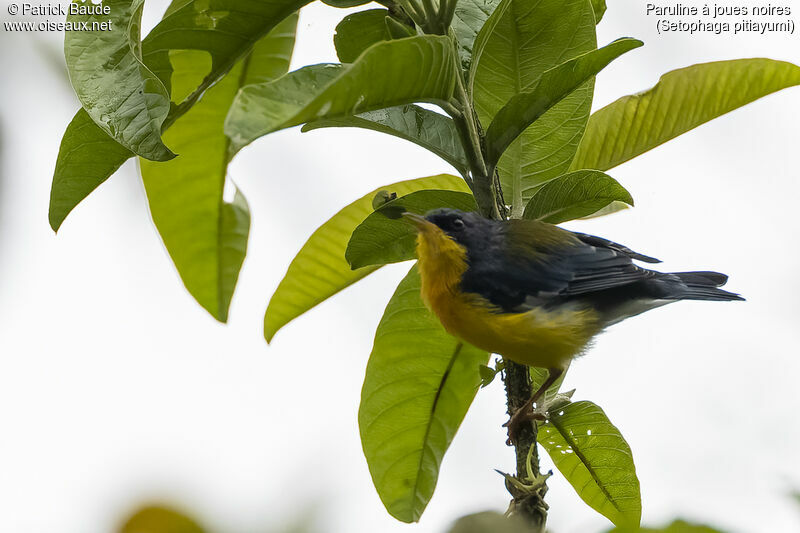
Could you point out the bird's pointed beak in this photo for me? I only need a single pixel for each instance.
(418, 220)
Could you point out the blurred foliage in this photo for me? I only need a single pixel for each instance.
(494, 522)
(678, 526)
(158, 519)
(489, 522)
(161, 519)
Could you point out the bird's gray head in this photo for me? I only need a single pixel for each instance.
(467, 229)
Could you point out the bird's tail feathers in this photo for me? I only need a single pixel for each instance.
(702, 286)
(705, 279)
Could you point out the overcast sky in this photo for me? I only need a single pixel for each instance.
(117, 388)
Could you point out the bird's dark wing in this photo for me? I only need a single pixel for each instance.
(605, 243)
(531, 261)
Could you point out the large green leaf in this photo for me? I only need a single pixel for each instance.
(682, 100)
(524, 108)
(433, 131)
(120, 94)
(226, 29)
(574, 195)
(206, 236)
(390, 73)
(358, 31)
(380, 240)
(319, 269)
(593, 456)
(519, 42)
(468, 19)
(420, 382)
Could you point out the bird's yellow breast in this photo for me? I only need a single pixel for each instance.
(539, 337)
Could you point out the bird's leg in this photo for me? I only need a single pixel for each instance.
(526, 413)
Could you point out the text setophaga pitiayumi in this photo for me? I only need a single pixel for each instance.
(536, 293)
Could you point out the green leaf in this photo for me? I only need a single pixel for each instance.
(157, 519)
(613, 207)
(398, 29)
(599, 8)
(235, 227)
(358, 31)
(428, 129)
(120, 94)
(272, 54)
(538, 377)
(574, 195)
(86, 158)
(226, 29)
(319, 269)
(419, 384)
(524, 108)
(519, 42)
(380, 240)
(593, 456)
(468, 19)
(487, 375)
(402, 71)
(206, 236)
(682, 100)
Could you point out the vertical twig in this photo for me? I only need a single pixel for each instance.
(527, 503)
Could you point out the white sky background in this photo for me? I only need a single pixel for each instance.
(117, 388)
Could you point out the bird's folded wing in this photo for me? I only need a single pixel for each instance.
(537, 271)
(605, 243)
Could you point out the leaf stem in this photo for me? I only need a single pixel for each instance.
(412, 9)
(430, 10)
(447, 9)
(467, 127)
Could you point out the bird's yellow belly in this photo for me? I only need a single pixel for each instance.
(541, 338)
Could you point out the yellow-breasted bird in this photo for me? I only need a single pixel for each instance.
(536, 293)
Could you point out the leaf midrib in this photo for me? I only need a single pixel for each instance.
(579, 454)
(442, 383)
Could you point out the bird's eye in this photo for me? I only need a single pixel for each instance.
(458, 223)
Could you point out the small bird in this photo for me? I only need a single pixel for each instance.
(535, 293)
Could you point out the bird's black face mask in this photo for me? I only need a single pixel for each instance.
(467, 229)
